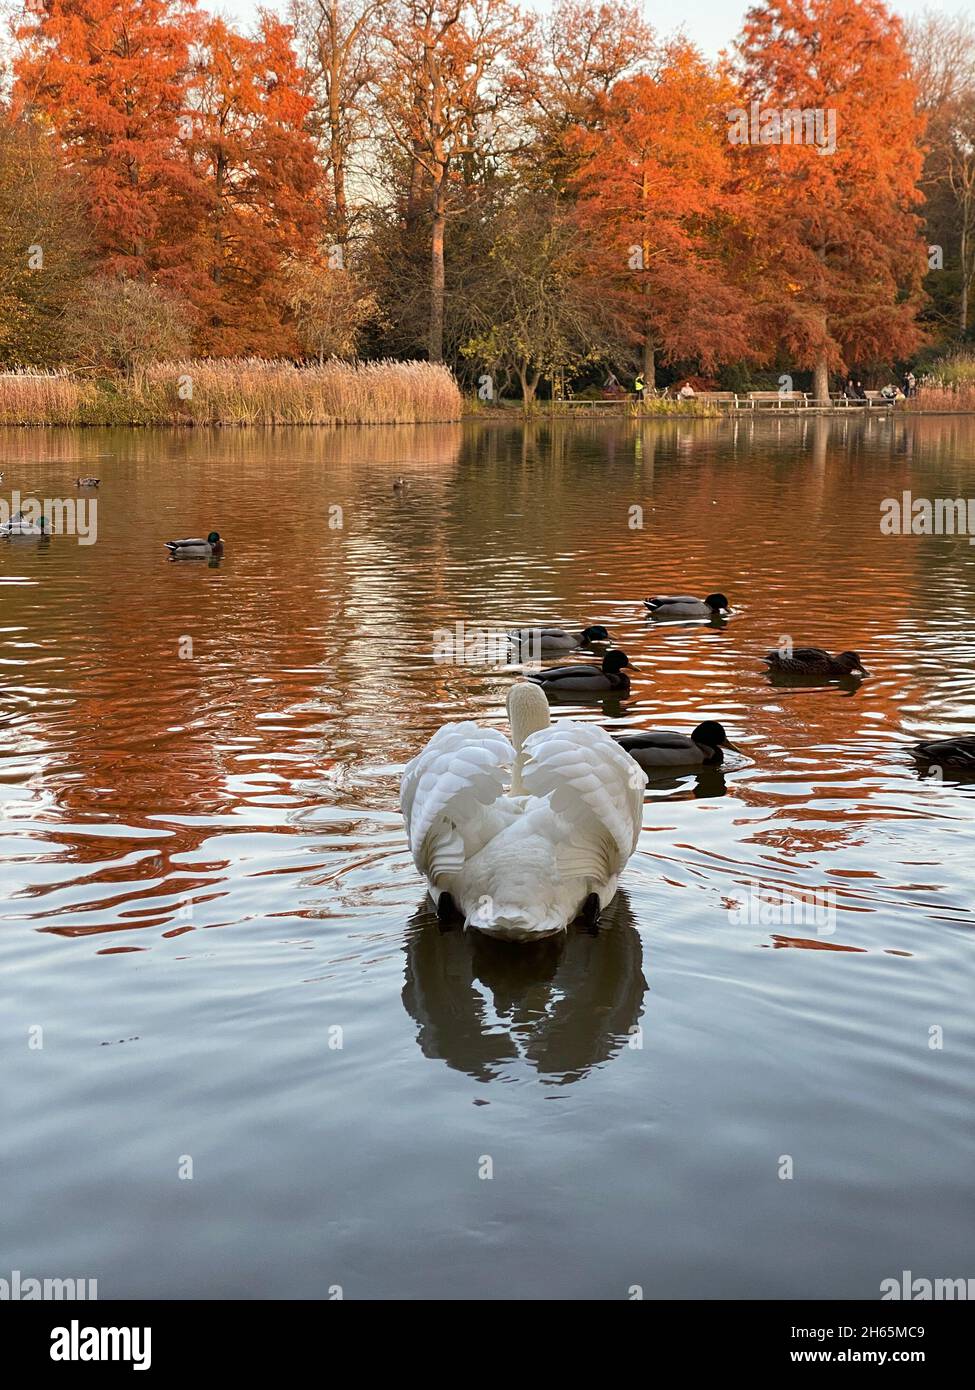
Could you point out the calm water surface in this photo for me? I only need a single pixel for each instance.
(209, 909)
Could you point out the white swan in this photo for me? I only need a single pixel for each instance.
(522, 861)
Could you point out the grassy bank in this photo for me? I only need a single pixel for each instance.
(237, 391)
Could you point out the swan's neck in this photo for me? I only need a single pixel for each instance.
(527, 713)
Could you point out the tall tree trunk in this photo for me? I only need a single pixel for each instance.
(821, 370)
(414, 191)
(649, 365)
(337, 160)
(821, 379)
(963, 301)
(435, 345)
(529, 384)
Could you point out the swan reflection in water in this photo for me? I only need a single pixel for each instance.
(559, 1006)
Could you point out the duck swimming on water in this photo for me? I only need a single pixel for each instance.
(558, 639)
(669, 606)
(814, 661)
(957, 754)
(192, 549)
(659, 748)
(592, 679)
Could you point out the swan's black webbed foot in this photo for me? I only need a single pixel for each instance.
(447, 912)
(590, 914)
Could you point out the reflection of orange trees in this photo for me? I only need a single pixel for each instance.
(312, 647)
(289, 671)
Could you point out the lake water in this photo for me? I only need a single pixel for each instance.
(216, 953)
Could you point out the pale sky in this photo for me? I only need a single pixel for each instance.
(710, 24)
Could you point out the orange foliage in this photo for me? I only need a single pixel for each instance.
(254, 166)
(111, 75)
(838, 237)
(655, 192)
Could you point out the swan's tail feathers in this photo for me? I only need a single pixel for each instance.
(462, 769)
(507, 922)
(596, 787)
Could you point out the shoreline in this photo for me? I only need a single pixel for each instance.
(484, 418)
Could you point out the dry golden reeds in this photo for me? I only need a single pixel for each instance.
(252, 391)
(238, 391)
(30, 397)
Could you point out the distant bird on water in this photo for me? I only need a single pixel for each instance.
(82, 482)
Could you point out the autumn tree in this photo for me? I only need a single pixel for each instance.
(571, 58)
(443, 87)
(336, 43)
(126, 325)
(44, 243)
(110, 76)
(656, 196)
(254, 163)
(328, 306)
(531, 311)
(959, 167)
(840, 235)
(942, 53)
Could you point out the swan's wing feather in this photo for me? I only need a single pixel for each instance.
(595, 787)
(462, 769)
(442, 851)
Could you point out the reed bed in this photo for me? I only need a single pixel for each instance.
(951, 399)
(949, 384)
(237, 391)
(251, 391)
(28, 397)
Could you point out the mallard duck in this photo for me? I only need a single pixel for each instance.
(667, 606)
(957, 753)
(21, 526)
(400, 485)
(87, 482)
(558, 639)
(608, 676)
(191, 549)
(660, 748)
(814, 661)
(522, 858)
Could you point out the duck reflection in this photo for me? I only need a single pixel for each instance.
(793, 680)
(687, 785)
(562, 1005)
